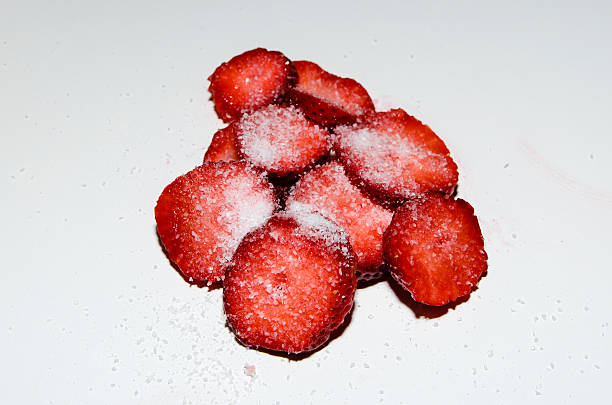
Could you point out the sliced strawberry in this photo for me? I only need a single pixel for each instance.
(395, 156)
(280, 140)
(250, 81)
(326, 189)
(222, 148)
(202, 216)
(435, 249)
(326, 98)
(290, 283)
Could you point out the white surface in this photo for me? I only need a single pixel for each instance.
(103, 104)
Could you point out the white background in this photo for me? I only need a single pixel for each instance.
(103, 104)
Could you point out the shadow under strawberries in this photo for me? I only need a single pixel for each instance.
(426, 311)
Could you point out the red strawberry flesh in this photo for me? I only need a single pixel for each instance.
(435, 250)
(222, 148)
(280, 140)
(202, 216)
(395, 156)
(290, 283)
(250, 81)
(326, 189)
(326, 98)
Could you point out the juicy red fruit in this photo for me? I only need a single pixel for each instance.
(395, 156)
(290, 283)
(222, 147)
(280, 140)
(435, 250)
(326, 189)
(250, 81)
(202, 216)
(326, 98)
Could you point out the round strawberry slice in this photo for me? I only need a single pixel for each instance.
(326, 189)
(250, 81)
(395, 156)
(202, 216)
(222, 148)
(326, 98)
(290, 283)
(435, 249)
(280, 140)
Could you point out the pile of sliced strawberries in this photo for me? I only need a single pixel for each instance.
(307, 191)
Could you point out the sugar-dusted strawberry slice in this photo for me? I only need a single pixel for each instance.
(250, 81)
(202, 216)
(326, 98)
(326, 189)
(395, 156)
(280, 140)
(290, 283)
(222, 148)
(435, 249)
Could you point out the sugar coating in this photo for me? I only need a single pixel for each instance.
(281, 140)
(246, 211)
(326, 189)
(390, 157)
(396, 154)
(317, 226)
(202, 216)
(384, 154)
(290, 283)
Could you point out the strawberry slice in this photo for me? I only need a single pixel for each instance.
(435, 249)
(280, 140)
(327, 190)
(395, 156)
(202, 216)
(291, 283)
(222, 148)
(326, 98)
(250, 81)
